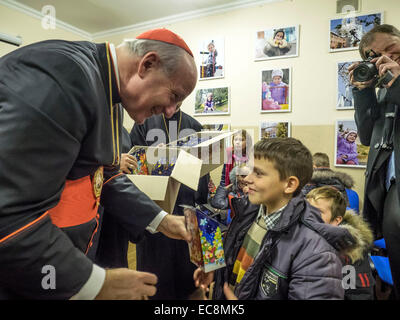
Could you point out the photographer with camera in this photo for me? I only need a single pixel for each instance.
(378, 124)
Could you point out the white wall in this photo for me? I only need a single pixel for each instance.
(313, 71)
(16, 23)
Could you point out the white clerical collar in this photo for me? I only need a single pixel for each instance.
(115, 62)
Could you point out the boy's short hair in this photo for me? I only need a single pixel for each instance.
(289, 156)
(320, 159)
(338, 202)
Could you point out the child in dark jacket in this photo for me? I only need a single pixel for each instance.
(358, 281)
(278, 246)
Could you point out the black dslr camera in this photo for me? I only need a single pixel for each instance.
(367, 71)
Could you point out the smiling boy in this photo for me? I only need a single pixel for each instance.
(278, 247)
(332, 206)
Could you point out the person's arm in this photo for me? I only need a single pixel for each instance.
(317, 278)
(340, 142)
(353, 155)
(364, 103)
(394, 92)
(201, 195)
(135, 211)
(268, 48)
(32, 175)
(222, 182)
(38, 259)
(130, 206)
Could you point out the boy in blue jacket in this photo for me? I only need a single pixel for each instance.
(278, 246)
(358, 280)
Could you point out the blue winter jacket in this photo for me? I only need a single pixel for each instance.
(298, 258)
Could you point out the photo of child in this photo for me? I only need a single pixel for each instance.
(212, 101)
(278, 45)
(349, 152)
(274, 129)
(344, 92)
(275, 90)
(346, 32)
(209, 103)
(275, 43)
(211, 58)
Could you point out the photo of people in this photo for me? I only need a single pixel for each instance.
(276, 43)
(346, 32)
(349, 152)
(270, 129)
(211, 58)
(344, 89)
(216, 127)
(275, 90)
(212, 101)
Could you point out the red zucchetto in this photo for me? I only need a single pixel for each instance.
(167, 36)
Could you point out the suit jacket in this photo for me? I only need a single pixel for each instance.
(370, 120)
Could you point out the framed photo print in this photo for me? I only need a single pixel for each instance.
(211, 56)
(270, 129)
(275, 90)
(349, 152)
(344, 90)
(347, 6)
(211, 102)
(217, 127)
(347, 31)
(278, 42)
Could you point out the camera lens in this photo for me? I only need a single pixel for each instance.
(365, 71)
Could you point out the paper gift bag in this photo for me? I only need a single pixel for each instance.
(205, 249)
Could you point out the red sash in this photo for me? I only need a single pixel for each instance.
(79, 202)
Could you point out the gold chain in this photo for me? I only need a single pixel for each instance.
(114, 134)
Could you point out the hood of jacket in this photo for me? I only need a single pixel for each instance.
(338, 237)
(324, 176)
(361, 233)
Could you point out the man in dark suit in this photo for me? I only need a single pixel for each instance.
(378, 124)
(168, 258)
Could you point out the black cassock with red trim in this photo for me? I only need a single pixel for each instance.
(57, 130)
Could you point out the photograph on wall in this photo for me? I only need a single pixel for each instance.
(216, 127)
(347, 6)
(275, 90)
(211, 102)
(345, 98)
(346, 32)
(211, 57)
(349, 152)
(275, 43)
(269, 129)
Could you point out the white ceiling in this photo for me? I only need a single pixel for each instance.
(99, 17)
